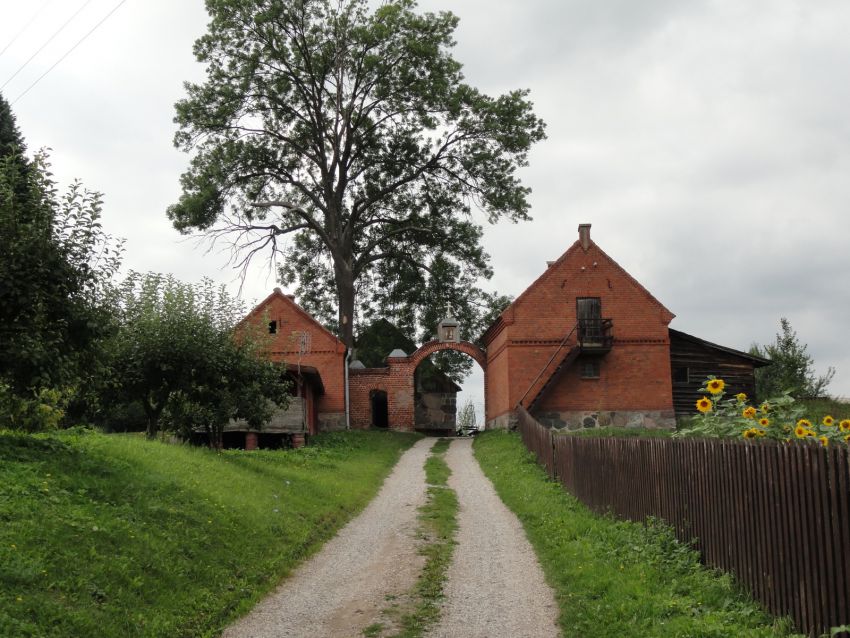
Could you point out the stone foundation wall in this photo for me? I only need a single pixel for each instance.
(575, 420)
(331, 421)
(506, 421)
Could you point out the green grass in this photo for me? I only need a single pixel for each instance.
(421, 609)
(614, 578)
(117, 536)
(609, 432)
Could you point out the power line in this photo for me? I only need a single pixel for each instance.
(25, 27)
(48, 41)
(68, 52)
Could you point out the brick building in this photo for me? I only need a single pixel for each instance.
(585, 345)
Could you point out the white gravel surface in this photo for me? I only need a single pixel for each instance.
(342, 589)
(496, 588)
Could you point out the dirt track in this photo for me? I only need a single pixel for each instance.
(495, 586)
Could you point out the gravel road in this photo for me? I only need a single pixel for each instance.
(495, 587)
(342, 589)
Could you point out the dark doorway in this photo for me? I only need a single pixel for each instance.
(380, 411)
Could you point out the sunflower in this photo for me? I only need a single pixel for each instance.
(823, 441)
(760, 432)
(805, 423)
(764, 422)
(765, 407)
(749, 413)
(847, 439)
(800, 431)
(845, 425)
(750, 434)
(741, 397)
(704, 405)
(715, 386)
(828, 421)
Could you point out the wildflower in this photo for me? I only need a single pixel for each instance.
(749, 413)
(828, 421)
(764, 422)
(750, 434)
(715, 386)
(741, 397)
(823, 441)
(805, 423)
(800, 431)
(704, 405)
(845, 425)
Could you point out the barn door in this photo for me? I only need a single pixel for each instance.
(589, 313)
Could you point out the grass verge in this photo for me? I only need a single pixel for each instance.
(438, 516)
(616, 578)
(112, 535)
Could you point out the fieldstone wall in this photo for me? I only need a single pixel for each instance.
(576, 420)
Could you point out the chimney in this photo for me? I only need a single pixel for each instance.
(584, 236)
(278, 291)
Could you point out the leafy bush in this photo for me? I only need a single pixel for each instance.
(44, 411)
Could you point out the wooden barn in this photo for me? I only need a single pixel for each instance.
(693, 359)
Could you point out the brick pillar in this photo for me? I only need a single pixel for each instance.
(298, 440)
(251, 441)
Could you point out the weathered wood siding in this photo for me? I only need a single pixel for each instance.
(702, 361)
(290, 420)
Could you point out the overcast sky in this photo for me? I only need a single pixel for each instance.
(707, 142)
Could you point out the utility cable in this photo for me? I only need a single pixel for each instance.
(68, 52)
(25, 27)
(48, 41)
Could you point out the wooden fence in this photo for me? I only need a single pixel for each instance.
(777, 516)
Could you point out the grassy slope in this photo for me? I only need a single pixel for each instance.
(116, 536)
(615, 578)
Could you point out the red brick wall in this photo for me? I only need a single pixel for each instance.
(326, 353)
(635, 375)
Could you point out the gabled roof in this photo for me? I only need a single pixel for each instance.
(550, 271)
(289, 301)
(758, 361)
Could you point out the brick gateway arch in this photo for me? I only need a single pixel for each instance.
(397, 383)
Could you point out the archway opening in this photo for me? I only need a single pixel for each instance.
(447, 393)
(380, 409)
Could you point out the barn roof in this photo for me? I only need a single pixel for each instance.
(759, 362)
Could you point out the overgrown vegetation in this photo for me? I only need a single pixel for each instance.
(413, 617)
(780, 418)
(614, 578)
(117, 536)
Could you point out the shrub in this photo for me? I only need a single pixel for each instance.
(43, 411)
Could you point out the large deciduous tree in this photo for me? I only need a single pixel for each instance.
(346, 140)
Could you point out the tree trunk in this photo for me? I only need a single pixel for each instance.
(345, 294)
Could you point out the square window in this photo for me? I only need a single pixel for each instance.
(589, 369)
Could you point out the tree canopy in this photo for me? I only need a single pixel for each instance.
(791, 369)
(56, 263)
(345, 141)
(175, 352)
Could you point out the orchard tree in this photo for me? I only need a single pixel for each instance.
(176, 350)
(345, 140)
